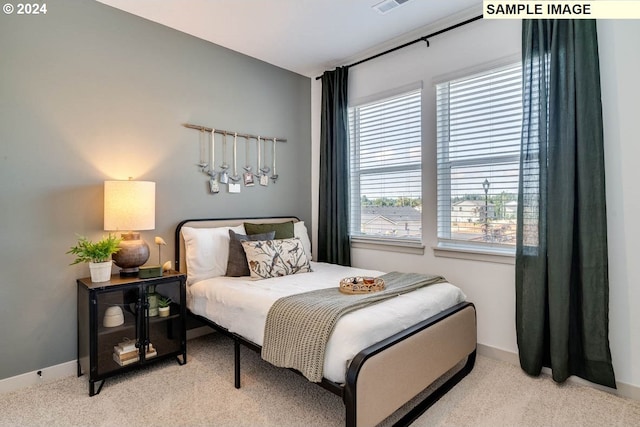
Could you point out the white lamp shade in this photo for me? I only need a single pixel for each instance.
(129, 205)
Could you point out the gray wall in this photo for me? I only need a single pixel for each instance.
(89, 93)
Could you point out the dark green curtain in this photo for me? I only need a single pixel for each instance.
(562, 289)
(333, 211)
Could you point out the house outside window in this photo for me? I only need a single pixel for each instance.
(479, 119)
(386, 168)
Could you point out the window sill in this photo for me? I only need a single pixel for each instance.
(501, 256)
(388, 245)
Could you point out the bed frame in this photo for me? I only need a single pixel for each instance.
(385, 376)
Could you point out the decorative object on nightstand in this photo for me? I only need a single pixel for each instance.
(97, 254)
(164, 306)
(152, 301)
(160, 242)
(148, 271)
(113, 317)
(130, 205)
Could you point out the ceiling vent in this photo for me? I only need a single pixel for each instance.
(388, 5)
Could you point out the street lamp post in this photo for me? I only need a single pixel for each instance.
(485, 186)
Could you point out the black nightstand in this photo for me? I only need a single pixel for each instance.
(131, 336)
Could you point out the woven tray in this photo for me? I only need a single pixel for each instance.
(361, 285)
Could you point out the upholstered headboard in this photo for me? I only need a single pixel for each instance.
(213, 223)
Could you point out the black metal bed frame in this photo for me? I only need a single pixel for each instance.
(347, 391)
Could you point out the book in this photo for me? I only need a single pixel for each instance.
(126, 346)
(127, 356)
(119, 350)
(150, 351)
(124, 362)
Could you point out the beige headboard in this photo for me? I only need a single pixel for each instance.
(213, 223)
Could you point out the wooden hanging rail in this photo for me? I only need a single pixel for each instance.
(226, 132)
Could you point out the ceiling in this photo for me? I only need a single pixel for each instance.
(304, 36)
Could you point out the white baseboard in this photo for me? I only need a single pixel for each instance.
(66, 369)
(39, 377)
(623, 389)
(498, 354)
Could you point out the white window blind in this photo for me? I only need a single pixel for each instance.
(386, 160)
(478, 135)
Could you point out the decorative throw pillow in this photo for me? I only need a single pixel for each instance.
(206, 251)
(284, 230)
(273, 258)
(237, 265)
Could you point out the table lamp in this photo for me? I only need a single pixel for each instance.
(130, 206)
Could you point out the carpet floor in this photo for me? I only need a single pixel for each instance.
(201, 393)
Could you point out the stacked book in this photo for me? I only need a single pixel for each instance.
(126, 352)
(150, 351)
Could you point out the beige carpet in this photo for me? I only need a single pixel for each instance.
(201, 393)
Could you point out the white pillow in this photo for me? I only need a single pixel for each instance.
(207, 251)
(300, 231)
(275, 258)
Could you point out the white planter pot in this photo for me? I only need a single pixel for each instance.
(164, 311)
(100, 271)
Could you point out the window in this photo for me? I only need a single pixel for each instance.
(386, 161)
(478, 134)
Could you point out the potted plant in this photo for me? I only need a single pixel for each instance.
(164, 306)
(97, 254)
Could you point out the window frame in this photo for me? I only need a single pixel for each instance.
(457, 248)
(378, 242)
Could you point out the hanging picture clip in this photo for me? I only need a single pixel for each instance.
(214, 187)
(224, 175)
(234, 185)
(202, 164)
(274, 174)
(264, 170)
(248, 174)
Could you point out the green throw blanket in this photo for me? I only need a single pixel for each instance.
(298, 326)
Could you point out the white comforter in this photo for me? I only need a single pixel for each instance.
(240, 305)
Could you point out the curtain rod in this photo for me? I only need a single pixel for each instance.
(226, 132)
(423, 38)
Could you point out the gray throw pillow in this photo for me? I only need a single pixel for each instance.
(237, 265)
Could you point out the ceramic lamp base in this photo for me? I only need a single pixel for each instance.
(132, 254)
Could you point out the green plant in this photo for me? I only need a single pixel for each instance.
(164, 301)
(87, 251)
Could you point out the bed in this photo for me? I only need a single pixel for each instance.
(377, 358)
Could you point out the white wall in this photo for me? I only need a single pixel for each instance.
(619, 65)
(491, 286)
